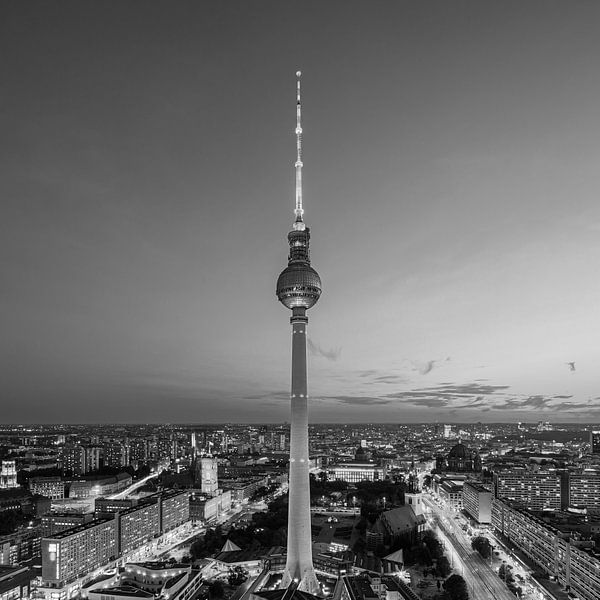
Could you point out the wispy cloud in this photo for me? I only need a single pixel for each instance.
(316, 350)
(446, 395)
(358, 400)
(388, 379)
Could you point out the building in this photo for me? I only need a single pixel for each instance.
(53, 523)
(477, 501)
(72, 459)
(115, 454)
(138, 451)
(207, 475)
(92, 457)
(106, 508)
(15, 582)
(400, 523)
(584, 490)
(208, 509)
(558, 551)
(298, 289)
(99, 486)
(243, 489)
(460, 459)
(137, 526)
(371, 586)
(75, 552)
(69, 557)
(353, 472)
(174, 509)
(595, 442)
(8, 475)
(147, 581)
(20, 546)
(51, 487)
(537, 490)
(447, 431)
(450, 492)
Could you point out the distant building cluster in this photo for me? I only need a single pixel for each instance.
(536, 486)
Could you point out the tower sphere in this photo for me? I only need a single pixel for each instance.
(298, 285)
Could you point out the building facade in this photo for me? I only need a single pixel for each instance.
(8, 475)
(561, 554)
(75, 552)
(540, 490)
(51, 487)
(353, 472)
(477, 501)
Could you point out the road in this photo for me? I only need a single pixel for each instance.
(482, 580)
(134, 486)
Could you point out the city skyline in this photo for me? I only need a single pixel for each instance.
(450, 178)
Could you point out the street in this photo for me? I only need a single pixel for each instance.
(482, 580)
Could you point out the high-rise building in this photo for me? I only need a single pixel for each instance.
(595, 442)
(298, 289)
(447, 431)
(93, 456)
(73, 460)
(477, 501)
(115, 454)
(8, 475)
(206, 475)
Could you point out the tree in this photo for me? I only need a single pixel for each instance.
(443, 567)
(505, 573)
(237, 576)
(216, 590)
(482, 545)
(198, 549)
(456, 588)
(436, 550)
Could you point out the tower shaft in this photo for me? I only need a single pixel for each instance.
(299, 566)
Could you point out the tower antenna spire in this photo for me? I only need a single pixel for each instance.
(299, 210)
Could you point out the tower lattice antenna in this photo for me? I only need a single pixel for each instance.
(299, 211)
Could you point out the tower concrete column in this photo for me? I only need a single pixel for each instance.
(299, 566)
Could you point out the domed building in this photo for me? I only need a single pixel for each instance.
(460, 459)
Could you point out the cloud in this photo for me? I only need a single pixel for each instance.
(367, 373)
(278, 395)
(388, 379)
(358, 400)
(447, 394)
(316, 350)
(541, 403)
(423, 367)
(571, 366)
(428, 367)
(531, 402)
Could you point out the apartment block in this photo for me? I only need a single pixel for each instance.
(540, 490)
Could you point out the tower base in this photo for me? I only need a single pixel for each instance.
(308, 582)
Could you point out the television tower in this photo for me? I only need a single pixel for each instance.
(299, 288)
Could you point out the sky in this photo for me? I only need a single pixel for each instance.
(451, 181)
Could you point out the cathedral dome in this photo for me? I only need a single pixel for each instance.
(459, 451)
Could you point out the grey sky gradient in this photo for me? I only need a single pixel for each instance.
(452, 181)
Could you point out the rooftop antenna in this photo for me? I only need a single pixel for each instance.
(298, 211)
